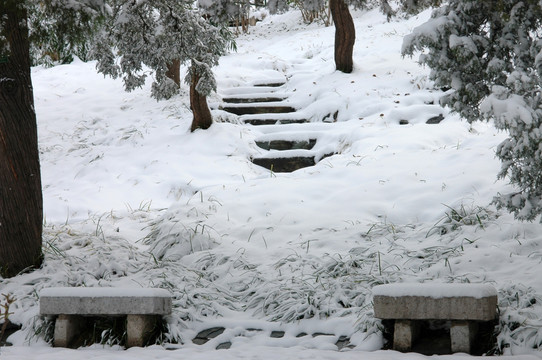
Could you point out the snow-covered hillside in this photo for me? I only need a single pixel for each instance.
(132, 198)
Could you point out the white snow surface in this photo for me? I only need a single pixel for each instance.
(435, 291)
(103, 292)
(132, 198)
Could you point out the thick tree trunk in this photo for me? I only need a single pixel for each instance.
(345, 35)
(21, 205)
(174, 71)
(202, 118)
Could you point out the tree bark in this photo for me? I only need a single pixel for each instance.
(174, 71)
(21, 204)
(202, 118)
(345, 35)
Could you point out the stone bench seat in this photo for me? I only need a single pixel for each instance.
(465, 305)
(143, 307)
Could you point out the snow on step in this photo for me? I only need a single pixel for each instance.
(281, 144)
(247, 90)
(254, 98)
(259, 108)
(273, 121)
(297, 117)
(269, 83)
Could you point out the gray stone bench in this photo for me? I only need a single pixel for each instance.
(142, 308)
(465, 305)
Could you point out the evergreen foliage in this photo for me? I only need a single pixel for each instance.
(60, 30)
(488, 53)
(388, 7)
(224, 10)
(412, 7)
(153, 34)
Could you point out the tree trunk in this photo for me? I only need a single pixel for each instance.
(202, 118)
(21, 204)
(174, 71)
(345, 35)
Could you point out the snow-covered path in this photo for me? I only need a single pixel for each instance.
(249, 352)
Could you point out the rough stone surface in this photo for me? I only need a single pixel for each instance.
(286, 144)
(343, 342)
(142, 307)
(258, 109)
(286, 164)
(85, 304)
(248, 100)
(269, 84)
(425, 308)
(462, 335)
(139, 328)
(467, 307)
(66, 327)
(203, 336)
(257, 121)
(435, 119)
(404, 335)
(224, 346)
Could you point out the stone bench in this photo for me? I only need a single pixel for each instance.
(143, 308)
(464, 305)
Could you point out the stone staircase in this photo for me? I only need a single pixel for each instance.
(285, 149)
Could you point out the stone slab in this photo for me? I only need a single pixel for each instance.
(278, 144)
(263, 108)
(285, 164)
(419, 302)
(139, 328)
(405, 333)
(105, 301)
(248, 100)
(66, 328)
(273, 121)
(462, 335)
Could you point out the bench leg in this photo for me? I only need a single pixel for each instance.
(66, 327)
(405, 333)
(138, 329)
(462, 334)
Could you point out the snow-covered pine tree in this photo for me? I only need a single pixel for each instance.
(21, 203)
(224, 11)
(416, 6)
(157, 34)
(277, 6)
(488, 53)
(60, 30)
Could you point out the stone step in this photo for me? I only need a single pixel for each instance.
(257, 121)
(248, 100)
(285, 164)
(277, 83)
(286, 144)
(258, 109)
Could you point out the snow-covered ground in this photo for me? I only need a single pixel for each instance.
(132, 198)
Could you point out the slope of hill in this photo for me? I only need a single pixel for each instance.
(132, 198)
